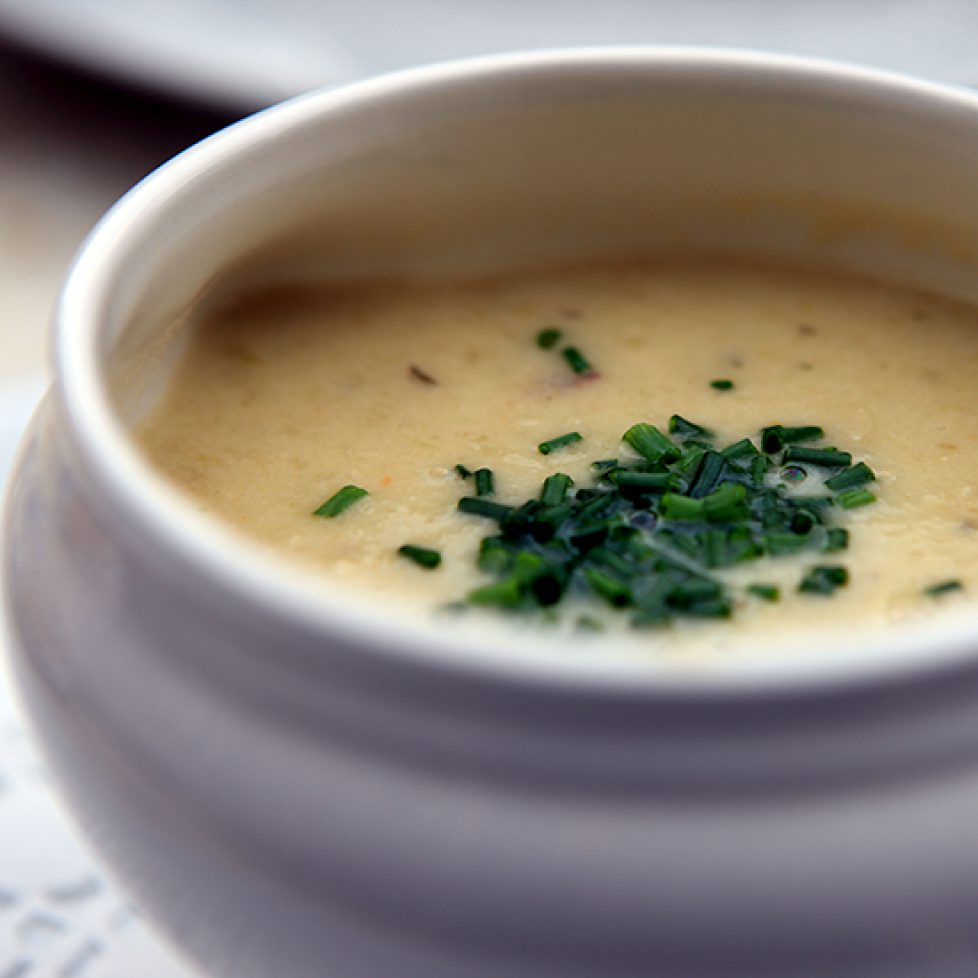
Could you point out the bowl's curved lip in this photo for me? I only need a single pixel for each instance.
(198, 544)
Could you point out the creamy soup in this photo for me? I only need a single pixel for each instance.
(286, 396)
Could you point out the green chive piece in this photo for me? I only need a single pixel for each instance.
(547, 521)
(783, 544)
(627, 480)
(422, 556)
(507, 593)
(340, 500)
(590, 534)
(758, 469)
(805, 432)
(829, 458)
(853, 498)
(678, 425)
(555, 489)
(613, 561)
(680, 508)
(739, 449)
(851, 478)
(727, 504)
(594, 507)
(603, 465)
(462, 472)
(562, 441)
(616, 593)
(802, 522)
(836, 539)
(494, 556)
(528, 566)
(483, 507)
(484, 482)
(575, 360)
(771, 439)
(688, 462)
(548, 338)
(776, 436)
(766, 592)
(708, 609)
(824, 580)
(691, 593)
(708, 474)
(722, 384)
(944, 587)
(651, 443)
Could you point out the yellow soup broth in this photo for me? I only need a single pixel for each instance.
(285, 396)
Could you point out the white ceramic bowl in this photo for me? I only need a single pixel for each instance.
(294, 784)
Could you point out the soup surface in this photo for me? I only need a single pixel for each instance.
(283, 397)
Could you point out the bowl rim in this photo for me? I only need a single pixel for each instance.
(187, 540)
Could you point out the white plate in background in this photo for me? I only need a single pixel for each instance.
(243, 54)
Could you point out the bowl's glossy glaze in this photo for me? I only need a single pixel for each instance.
(294, 785)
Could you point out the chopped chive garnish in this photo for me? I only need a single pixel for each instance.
(484, 483)
(758, 469)
(340, 501)
(483, 507)
(781, 544)
(727, 504)
(708, 609)
(462, 472)
(776, 436)
(575, 360)
(691, 593)
(655, 532)
(805, 432)
(853, 498)
(422, 556)
(771, 439)
(495, 556)
(555, 489)
(562, 441)
(836, 539)
(708, 474)
(507, 593)
(548, 338)
(676, 507)
(824, 580)
(851, 478)
(802, 522)
(944, 587)
(651, 443)
(739, 449)
(608, 587)
(722, 384)
(829, 458)
(627, 480)
(678, 425)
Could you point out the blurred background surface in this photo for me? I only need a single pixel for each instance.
(95, 93)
